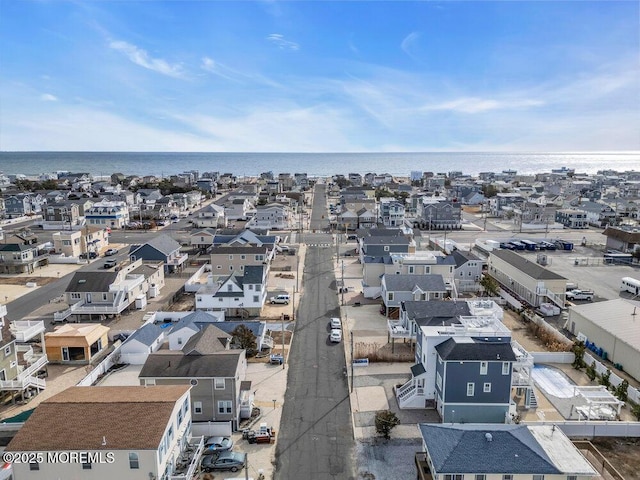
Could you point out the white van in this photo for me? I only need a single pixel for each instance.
(281, 299)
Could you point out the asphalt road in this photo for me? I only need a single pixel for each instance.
(23, 306)
(316, 435)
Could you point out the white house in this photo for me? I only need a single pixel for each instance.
(108, 214)
(147, 339)
(273, 216)
(210, 216)
(132, 432)
(236, 295)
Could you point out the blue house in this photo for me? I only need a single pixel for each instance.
(481, 372)
(501, 452)
(162, 248)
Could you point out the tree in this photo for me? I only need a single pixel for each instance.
(604, 378)
(386, 420)
(578, 350)
(490, 285)
(489, 190)
(244, 338)
(635, 411)
(621, 391)
(591, 371)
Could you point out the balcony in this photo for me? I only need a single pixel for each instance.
(27, 377)
(179, 260)
(24, 330)
(397, 329)
(188, 460)
(422, 465)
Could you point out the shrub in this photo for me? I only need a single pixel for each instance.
(578, 350)
(591, 371)
(621, 391)
(386, 420)
(604, 378)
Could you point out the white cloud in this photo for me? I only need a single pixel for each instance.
(47, 97)
(408, 42)
(283, 44)
(481, 105)
(140, 57)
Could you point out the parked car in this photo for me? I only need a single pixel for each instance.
(335, 336)
(233, 461)
(110, 264)
(281, 299)
(276, 359)
(580, 295)
(110, 252)
(217, 444)
(336, 323)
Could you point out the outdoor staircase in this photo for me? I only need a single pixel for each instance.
(410, 395)
(532, 399)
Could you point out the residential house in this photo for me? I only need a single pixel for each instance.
(239, 209)
(62, 215)
(78, 343)
(524, 281)
(236, 259)
(145, 340)
(273, 216)
(161, 248)
(203, 239)
(597, 214)
(20, 254)
(22, 359)
(132, 432)
(418, 263)
(440, 215)
(213, 370)
(379, 242)
(18, 205)
(109, 292)
(391, 212)
(435, 324)
(477, 451)
(108, 215)
(80, 243)
(211, 216)
(500, 201)
(347, 220)
(239, 294)
(468, 271)
(572, 218)
(243, 238)
(473, 379)
(396, 289)
(366, 218)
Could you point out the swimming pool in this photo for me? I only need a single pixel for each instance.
(553, 381)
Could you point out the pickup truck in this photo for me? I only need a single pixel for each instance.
(580, 295)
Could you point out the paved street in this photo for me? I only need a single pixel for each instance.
(316, 439)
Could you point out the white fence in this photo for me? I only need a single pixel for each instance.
(110, 360)
(192, 285)
(553, 357)
(211, 429)
(632, 393)
(591, 429)
(63, 259)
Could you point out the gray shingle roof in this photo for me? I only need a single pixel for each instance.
(385, 240)
(465, 449)
(532, 269)
(146, 335)
(91, 281)
(190, 320)
(163, 243)
(252, 274)
(456, 349)
(207, 341)
(461, 257)
(406, 283)
(435, 312)
(176, 364)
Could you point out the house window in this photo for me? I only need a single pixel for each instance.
(390, 296)
(179, 340)
(230, 268)
(75, 296)
(386, 248)
(483, 368)
(219, 383)
(134, 463)
(457, 476)
(7, 350)
(538, 477)
(250, 287)
(242, 257)
(481, 476)
(411, 269)
(507, 476)
(258, 288)
(505, 368)
(572, 477)
(179, 416)
(104, 296)
(439, 380)
(256, 298)
(225, 406)
(487, 387)
(197, 407)
(230, 287)
(185, 405)
(170, 433)
(470, 389)
(230, 257)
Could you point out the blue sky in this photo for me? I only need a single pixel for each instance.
(319, 76)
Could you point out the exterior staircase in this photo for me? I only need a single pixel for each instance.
(410, 395)
(531, 399)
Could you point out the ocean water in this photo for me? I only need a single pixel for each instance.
(314, 164)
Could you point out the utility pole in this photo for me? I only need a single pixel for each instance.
(342, 287)
(351, 361)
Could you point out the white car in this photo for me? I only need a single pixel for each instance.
(335, 336)
(280, 299)
(336, 323)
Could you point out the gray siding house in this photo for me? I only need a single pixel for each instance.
(213, 370)
(473, 380)
(399, 288)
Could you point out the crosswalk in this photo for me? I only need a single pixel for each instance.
(319, 245)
